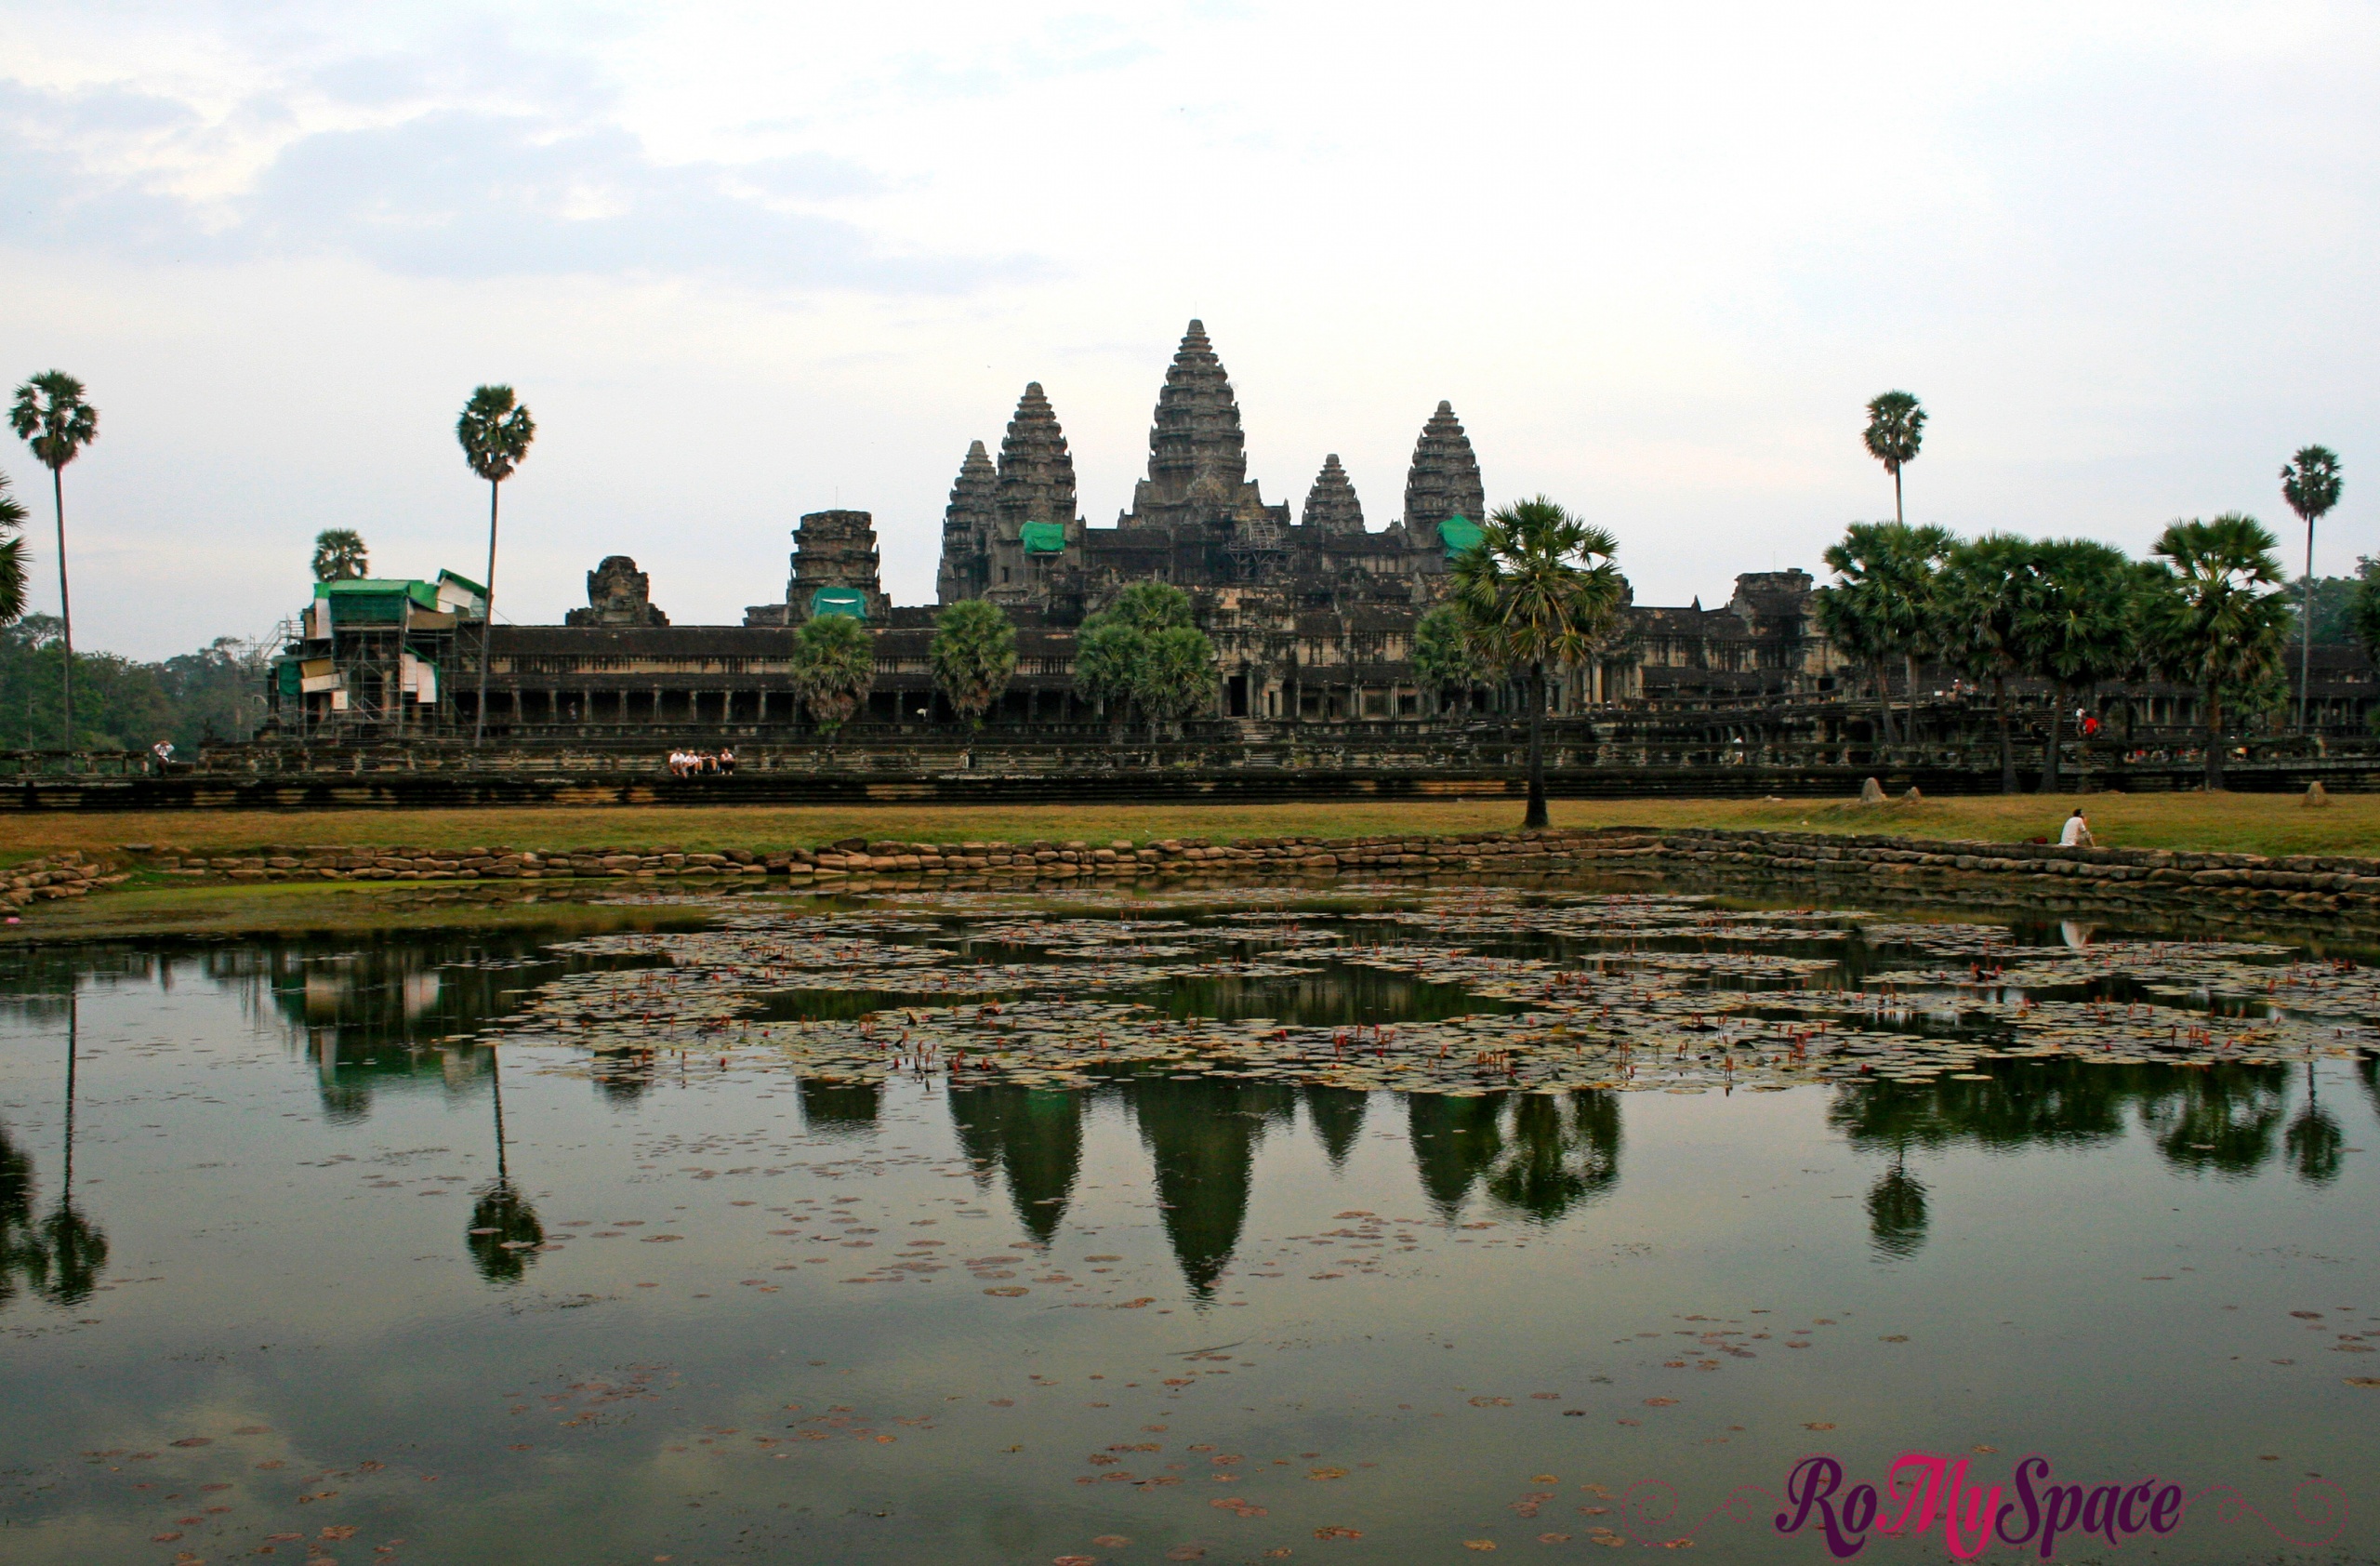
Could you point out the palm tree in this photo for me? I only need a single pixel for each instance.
(1539, 587)
(2076, 627)
(1877, 607)
(12, 556)
(1987, 588)
(1177, 676)
(1896, 429)
(2216, 621)
(833, 664)
(495, 434)
(2310, 483)
(973, 654)
(1145, 650)
(51, 416)
(1443, 659)
(339, 556)
(1109, 653)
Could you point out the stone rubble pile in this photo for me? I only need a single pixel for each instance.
(66, 874)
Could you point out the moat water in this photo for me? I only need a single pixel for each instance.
(1397, 1229)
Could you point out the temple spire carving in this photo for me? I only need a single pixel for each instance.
(1330, 504)
(1443, 479)
(967, 528)
(1036, 473)
(1195, 438)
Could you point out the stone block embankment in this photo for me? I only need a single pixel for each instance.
(2036, 876)
(2040, 875)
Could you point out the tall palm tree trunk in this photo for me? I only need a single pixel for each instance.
(1899, 518)
(1537, 817)
(2306, 631)
(2213, 740)
(487, 625)
(65, 609)
(2056, 738)
(1883, 703)
(2007, 744)
(1909, 699)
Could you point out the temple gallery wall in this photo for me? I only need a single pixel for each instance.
(1312, 615)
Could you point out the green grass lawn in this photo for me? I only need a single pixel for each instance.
(2248, 823)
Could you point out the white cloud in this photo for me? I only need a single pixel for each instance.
(746, 261)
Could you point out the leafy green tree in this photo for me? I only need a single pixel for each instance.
(1881, 606)
(339, 556)
(1538, 588)
(1151, 606)
(1989, 586)
(1444, 658)
(1896, 429)
(494, 432)
(1108, 656)
(973, 654)
(2217, 620)
(1177, 676)
(12, 556)
(1144, 652)
(2310, 482)
(833, 664)
(2363, 607)
(51, 415)
(2075, 628)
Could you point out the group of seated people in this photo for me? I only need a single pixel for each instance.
(702, 764)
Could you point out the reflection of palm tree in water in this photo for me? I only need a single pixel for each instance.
(1549, 1154)
(1565, 1152)
(505, 1232)
(2314, 1139)
(1897, 1216)
(60, 1257)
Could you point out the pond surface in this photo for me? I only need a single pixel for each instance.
(1233, 1226)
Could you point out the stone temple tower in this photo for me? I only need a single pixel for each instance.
(1198, 461)
(1035, 520)
(834, 568)
(1195, 439)
(967, 528)
(1443, 479)
(1036, 473)
(1330, 504)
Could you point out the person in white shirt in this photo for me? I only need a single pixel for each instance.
(2078, 832)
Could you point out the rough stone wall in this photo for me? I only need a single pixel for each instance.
(617, 594)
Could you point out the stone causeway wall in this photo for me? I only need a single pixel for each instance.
(2036, 876)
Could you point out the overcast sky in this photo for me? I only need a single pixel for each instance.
(749, 261)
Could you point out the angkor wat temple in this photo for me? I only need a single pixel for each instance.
(1312, 615)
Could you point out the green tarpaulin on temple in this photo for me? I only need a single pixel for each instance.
(1459, 533)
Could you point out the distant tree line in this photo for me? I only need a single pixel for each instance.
(121, 703)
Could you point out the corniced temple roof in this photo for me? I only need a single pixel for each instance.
(1330, 504)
